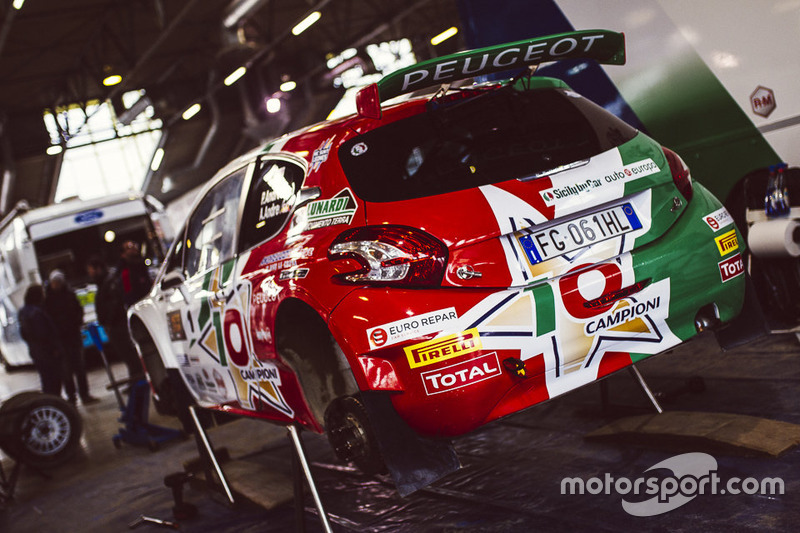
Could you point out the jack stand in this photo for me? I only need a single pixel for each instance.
(94, 334)
(300, 467)
(642, 383)
(138, 431)
(207, 451)
(8, 485)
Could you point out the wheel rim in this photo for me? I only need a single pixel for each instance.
(46, 431)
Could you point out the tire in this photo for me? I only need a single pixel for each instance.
(351, 436)
(40, 430)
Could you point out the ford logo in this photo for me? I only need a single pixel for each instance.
(88, 216)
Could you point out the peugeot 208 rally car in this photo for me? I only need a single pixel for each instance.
(438, 263)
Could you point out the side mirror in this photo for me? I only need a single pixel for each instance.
(307, 195)
(171, 280)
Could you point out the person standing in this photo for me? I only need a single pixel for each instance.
(41, 335)
(136, 282)
(109, 302)
(66, 313)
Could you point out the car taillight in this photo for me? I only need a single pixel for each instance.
(680, 173)
(390, 255)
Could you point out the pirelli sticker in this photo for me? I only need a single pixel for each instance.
(443, 348)
(727, 242)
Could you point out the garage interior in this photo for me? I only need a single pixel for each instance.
(202, 82)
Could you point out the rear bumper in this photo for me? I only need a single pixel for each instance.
(505, 350)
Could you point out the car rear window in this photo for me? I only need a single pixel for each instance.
(496, 136)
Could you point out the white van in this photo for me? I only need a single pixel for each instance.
(34, 242)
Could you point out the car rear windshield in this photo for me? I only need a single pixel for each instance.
(496, 136)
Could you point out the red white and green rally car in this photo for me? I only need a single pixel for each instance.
(417, 270)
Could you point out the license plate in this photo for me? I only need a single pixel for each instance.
(541, 245)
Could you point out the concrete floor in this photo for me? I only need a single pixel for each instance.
(512, 468)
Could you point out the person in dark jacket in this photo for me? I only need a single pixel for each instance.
(66, 313)
(41, 335)
(109, 302)
(133, 273)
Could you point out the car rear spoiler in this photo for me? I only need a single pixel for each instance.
(603, 46)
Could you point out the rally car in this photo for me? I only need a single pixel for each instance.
(417, 270)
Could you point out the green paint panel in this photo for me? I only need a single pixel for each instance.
(545, 308)
(220, 341)
(227, 269)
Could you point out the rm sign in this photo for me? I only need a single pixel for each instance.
(762, 101)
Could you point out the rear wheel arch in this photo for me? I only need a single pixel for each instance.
(304, 342)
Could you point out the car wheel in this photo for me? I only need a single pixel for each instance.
(351, 435)
(40, 430)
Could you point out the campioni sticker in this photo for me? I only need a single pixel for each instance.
(443, 348)
(727, 242)
(332, 211)
(410, 327)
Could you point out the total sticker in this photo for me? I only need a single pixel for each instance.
(461, 374)
(718, 219)
(731, 268)
(408, 328)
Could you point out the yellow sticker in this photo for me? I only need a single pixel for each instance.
(443, 348)
(727, 242)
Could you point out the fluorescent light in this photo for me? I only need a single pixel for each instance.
(273, 105)
(54, 150)
(234, 76)
(442, 37)
(18, 4)
(304, 24)
(191, 111)
(288, 86)
(114, 79)
(157, 158)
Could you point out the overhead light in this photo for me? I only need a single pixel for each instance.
(18, 4)
(109, 236)
(288, 86)
(54, 150)
(157, 158)
(442, 37)
(239, 10)
(114, 79)
(234, 76)
(304, 24)
(191, 111)
(273, 105)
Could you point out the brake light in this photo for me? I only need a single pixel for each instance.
(390, 255)
(680, 173)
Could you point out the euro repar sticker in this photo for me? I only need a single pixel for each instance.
(410, 327)
(718, 219)
(332, 211)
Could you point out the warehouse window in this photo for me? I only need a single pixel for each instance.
(105, 153)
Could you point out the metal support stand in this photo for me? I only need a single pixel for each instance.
(642, 383)
(300, 458)
(94, 335)
(204, 445)
(8, 484)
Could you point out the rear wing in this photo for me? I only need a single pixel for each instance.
(603, 46)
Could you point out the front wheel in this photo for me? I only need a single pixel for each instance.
(351, 436)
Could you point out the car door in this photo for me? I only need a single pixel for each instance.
(198, 302)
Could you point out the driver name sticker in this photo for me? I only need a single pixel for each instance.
(408, 328)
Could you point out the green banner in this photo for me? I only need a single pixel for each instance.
(604, 46)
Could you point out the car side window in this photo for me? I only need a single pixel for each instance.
(211, 230)
(269, 202)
